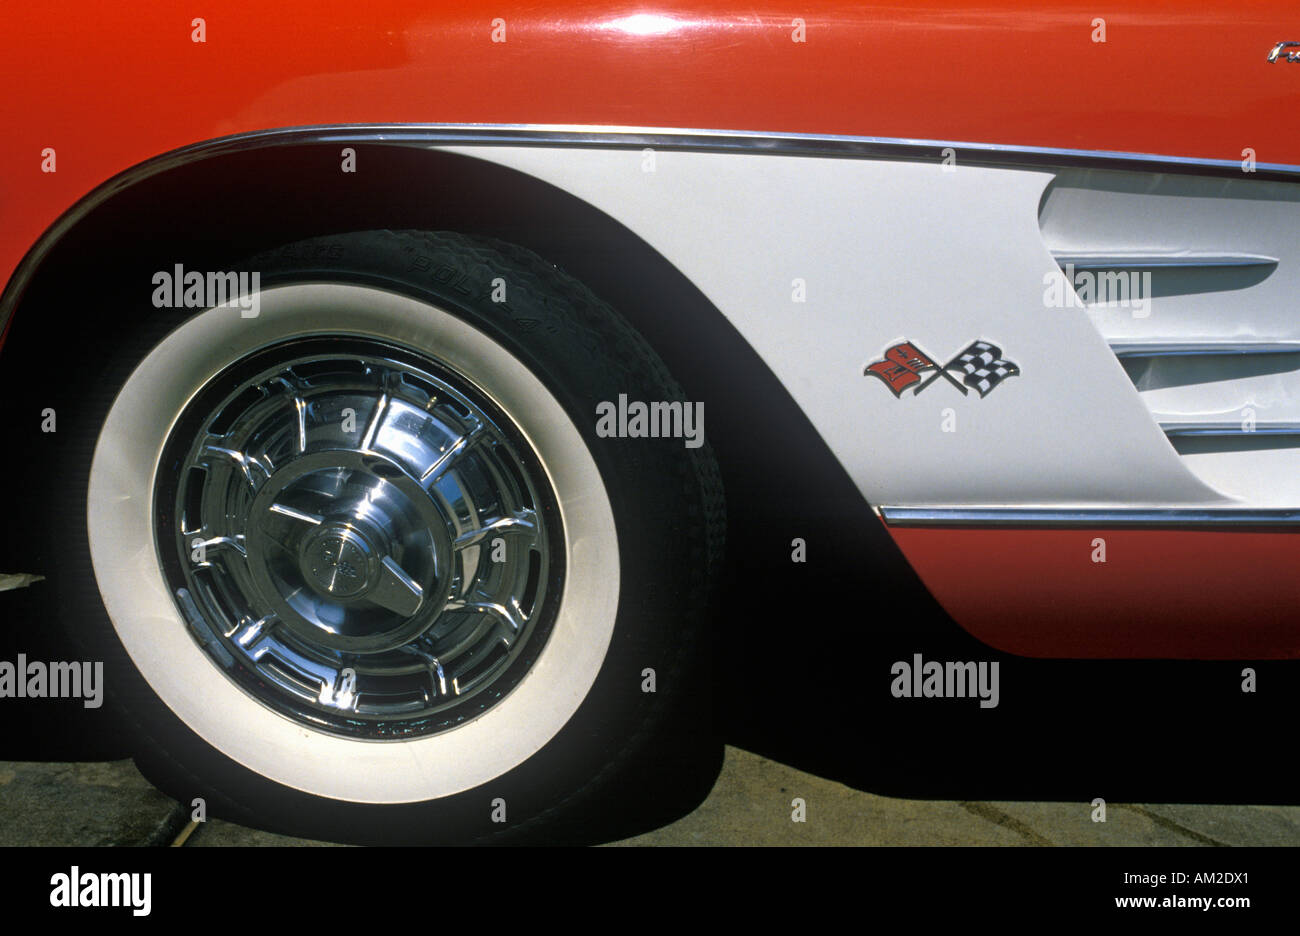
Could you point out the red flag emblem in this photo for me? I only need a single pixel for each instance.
(902, 367)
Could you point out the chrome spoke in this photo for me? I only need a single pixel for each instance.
(381, 410)
(506, 614)
(299, 515)
(437, 675)
(293, 388)
(523, 522)
(254, 470)
(235, 543)
(288, 526)
(340, 692)
(300, 411)
(448, 458)
(249, 634)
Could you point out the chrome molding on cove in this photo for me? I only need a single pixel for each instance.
(780, 144)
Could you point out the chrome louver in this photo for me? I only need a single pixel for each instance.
(1211, 341)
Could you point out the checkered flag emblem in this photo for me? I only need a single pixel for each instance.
(983, 366)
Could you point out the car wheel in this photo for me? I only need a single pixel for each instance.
(369, 571)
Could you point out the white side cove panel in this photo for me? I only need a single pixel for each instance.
(894, 252)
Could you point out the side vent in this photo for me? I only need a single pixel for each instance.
(1195, 284)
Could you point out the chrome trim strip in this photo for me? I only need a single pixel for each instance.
(1156, 347)
(783, 144)
(778, 143)
(1152, 260)
(1209, 428)
(1088, 517)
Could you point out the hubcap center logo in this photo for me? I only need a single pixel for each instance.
(338, 562)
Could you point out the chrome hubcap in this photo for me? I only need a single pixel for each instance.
(359, 537)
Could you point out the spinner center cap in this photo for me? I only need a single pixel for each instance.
(339, 561)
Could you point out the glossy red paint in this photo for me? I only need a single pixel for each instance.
(110, 85)
(1179, 594)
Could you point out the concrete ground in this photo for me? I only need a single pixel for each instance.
(110, 803)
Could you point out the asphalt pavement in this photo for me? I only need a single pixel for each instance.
(753, 802)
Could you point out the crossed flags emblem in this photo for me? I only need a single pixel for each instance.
(980, 366)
